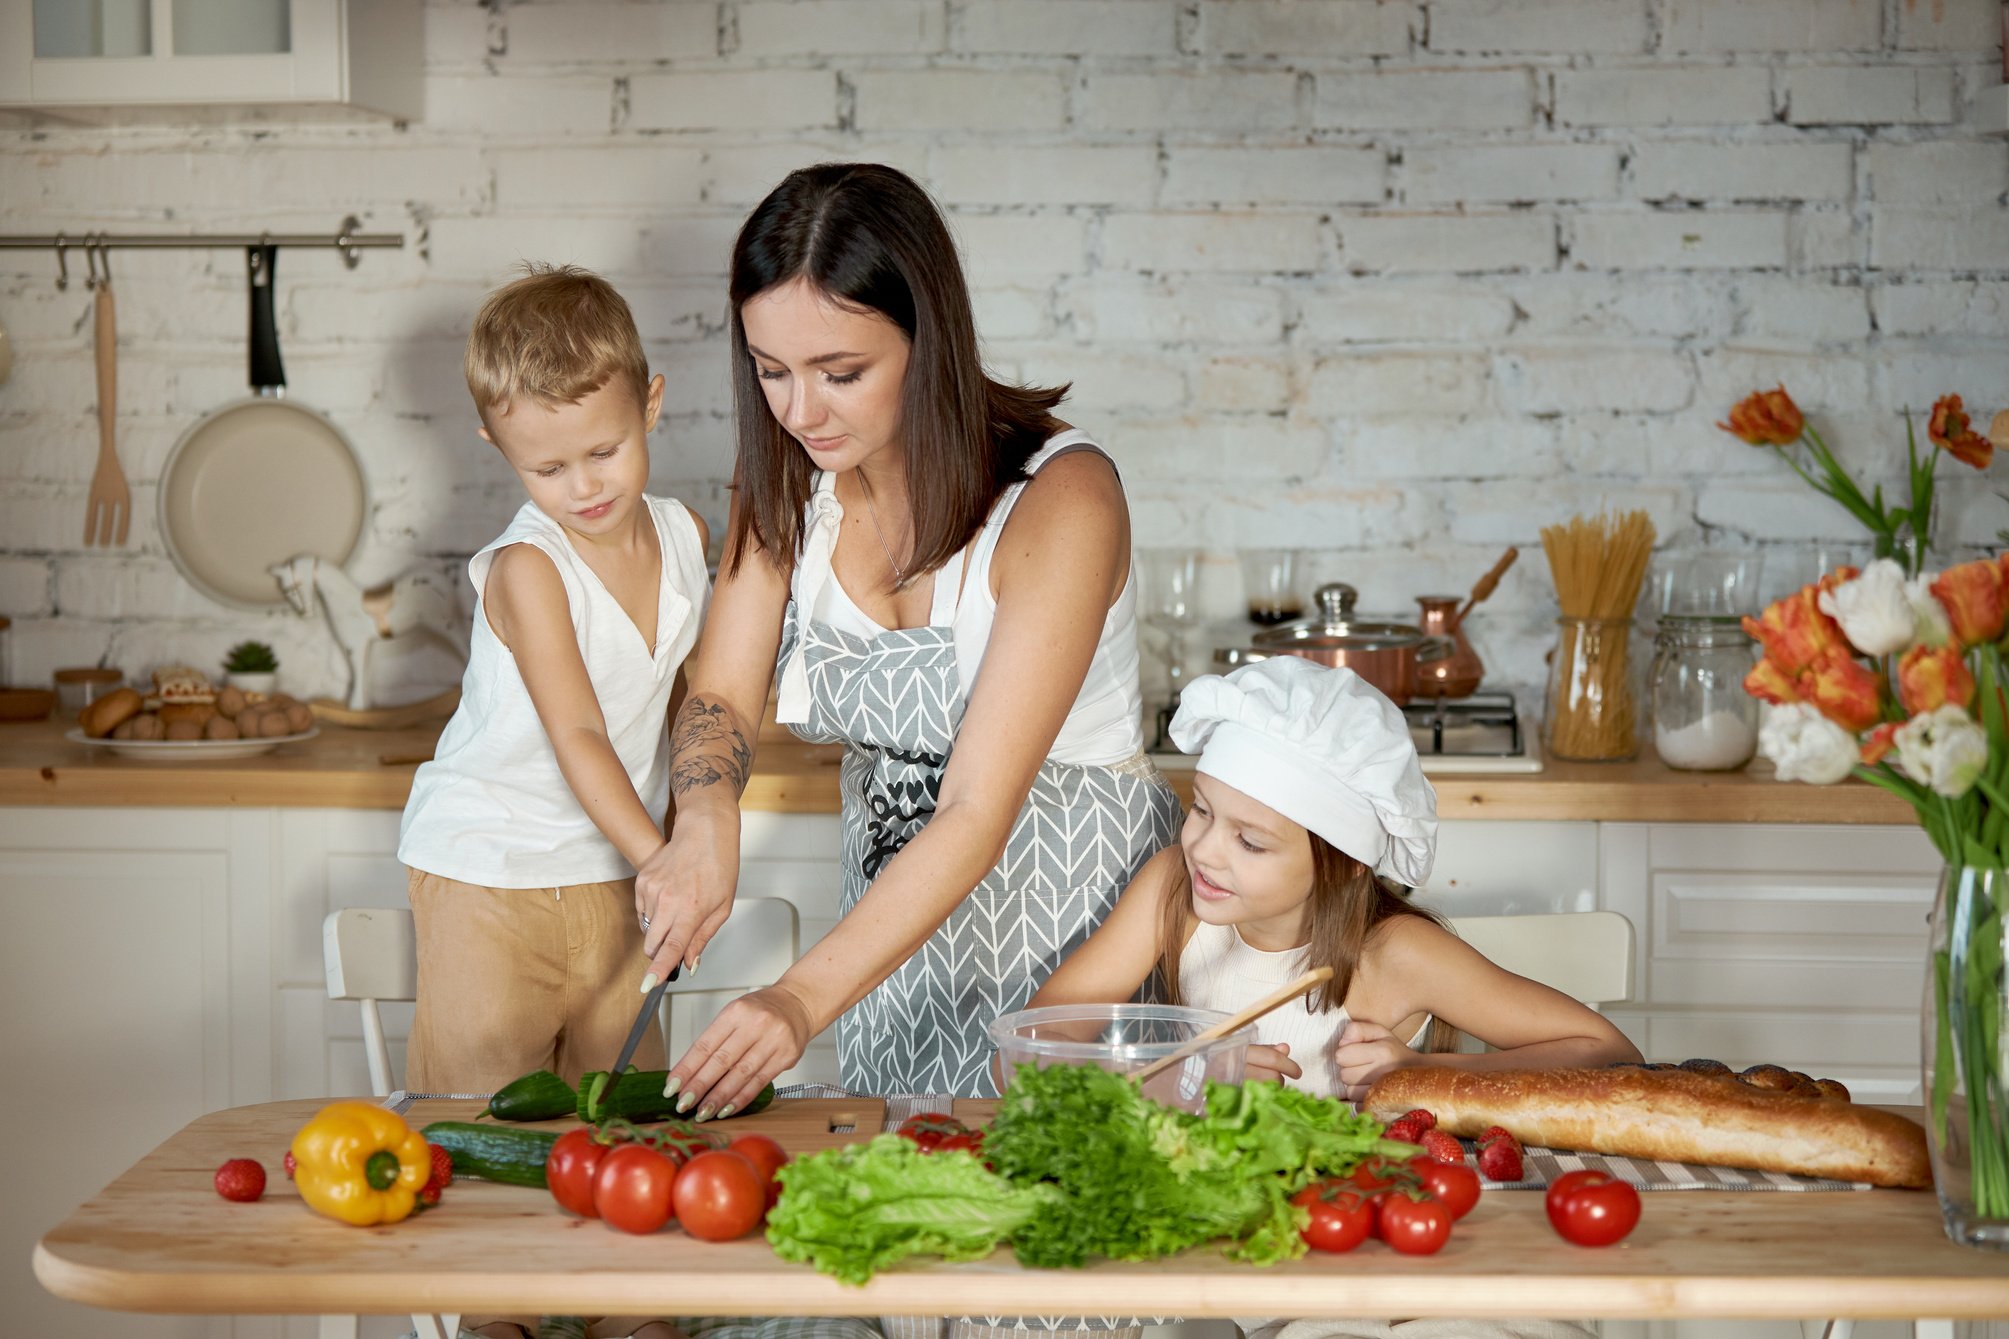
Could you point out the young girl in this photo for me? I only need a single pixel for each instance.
(1308, 802)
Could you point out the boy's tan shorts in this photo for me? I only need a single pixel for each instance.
(513, 980)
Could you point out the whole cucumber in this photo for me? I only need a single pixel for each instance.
(638, 1096)
(513, 1157)
(539, 1096)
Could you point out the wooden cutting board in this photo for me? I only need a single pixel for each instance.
(798, 1124)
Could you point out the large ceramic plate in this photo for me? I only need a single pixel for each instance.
(188, 750)
(252, 485)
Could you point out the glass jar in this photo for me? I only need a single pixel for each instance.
(1592, 713)
(1703, 720)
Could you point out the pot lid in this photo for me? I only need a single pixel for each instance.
(1334, 627)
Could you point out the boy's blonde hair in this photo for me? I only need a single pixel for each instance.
(554, 336)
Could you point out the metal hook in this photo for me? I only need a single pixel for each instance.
(105, 259)
(92, 248)
(62, 262)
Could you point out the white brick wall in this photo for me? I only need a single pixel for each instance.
(1397, 280)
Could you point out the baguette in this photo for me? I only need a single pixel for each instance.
(1668, 1115)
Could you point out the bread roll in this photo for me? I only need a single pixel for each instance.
(230, 701)
(220, 727)
(103, 716)
(197, 714)
(1666, 1114)
(183, 730)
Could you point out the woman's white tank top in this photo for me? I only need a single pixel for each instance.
(492, 807)
(1219, 971)
(1105, 725)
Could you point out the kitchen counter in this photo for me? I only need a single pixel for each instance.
(372, 769)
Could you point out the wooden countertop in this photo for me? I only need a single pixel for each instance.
(160, 1239)
(344, 769)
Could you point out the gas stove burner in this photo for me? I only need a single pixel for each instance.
(1482, 725)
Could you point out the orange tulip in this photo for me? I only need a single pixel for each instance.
(1930, 677)
(1844, 691)
(1976, 599)
(1766, 418)
(1768, 683)
(1880, 742)
(1950, 431)
(1794, 630)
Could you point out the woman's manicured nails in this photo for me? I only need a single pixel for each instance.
(684, 1102)
(649, 983)
(727, 1110)
(670, 1088)
(704, 1114)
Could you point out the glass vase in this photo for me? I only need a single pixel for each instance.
(1966, 1054)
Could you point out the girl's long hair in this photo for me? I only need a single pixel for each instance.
(868, 237)
(1348, 906)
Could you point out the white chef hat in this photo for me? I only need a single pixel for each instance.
(1323, 748)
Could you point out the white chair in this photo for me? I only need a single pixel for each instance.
(370, 955)
(1587, 955)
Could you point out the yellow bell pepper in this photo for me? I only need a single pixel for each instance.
(360, 1163)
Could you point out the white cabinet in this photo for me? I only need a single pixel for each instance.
(78, 54)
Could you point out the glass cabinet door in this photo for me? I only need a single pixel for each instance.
(69, 29)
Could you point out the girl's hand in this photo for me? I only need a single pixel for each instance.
(753, 1039)
(1366, 1051)
(1272, 1064)
(685, 889)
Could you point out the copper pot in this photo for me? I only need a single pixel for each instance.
(1387, 655)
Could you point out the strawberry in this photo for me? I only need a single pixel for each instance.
(290, 1162)
(1423, 1119)
(442, 1174)
(1500, 1160)
(241, 1179)
(1405, 1131)
(1443, 1147)
(1490, 1133)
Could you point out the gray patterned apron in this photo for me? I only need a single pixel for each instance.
(895, 700)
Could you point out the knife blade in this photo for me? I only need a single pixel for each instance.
(650, 1002)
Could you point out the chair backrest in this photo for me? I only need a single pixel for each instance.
(1587, 955)
(371, 954)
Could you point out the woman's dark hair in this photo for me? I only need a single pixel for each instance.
(869, 238)
(1348, 905)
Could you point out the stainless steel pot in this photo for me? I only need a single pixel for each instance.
(1384, 654)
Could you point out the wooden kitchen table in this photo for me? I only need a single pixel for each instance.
(160, 1239)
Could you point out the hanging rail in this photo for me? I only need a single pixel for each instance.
(348, 241)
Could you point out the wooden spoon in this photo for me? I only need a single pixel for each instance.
(1483, 589)
(1303, 985)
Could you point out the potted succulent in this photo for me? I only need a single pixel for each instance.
(252, 666)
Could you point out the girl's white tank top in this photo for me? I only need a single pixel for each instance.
(492, 807)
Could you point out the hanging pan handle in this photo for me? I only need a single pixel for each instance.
(268, 374)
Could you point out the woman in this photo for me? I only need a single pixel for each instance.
(942, 569)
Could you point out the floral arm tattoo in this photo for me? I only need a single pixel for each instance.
(707, 748)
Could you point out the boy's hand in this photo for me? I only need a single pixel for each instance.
(1366, 1051)
(753, 1039)
(685, 890)
(1272, 1064)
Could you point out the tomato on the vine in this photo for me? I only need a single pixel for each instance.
(1456, 1184)
(632, 1188)
(1341, 1215)
(719, 1196)
(931, 1128)
(570, 1168)
(767, 1158)
(1415, 1226)
(1591, 1208)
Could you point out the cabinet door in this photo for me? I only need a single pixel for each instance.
(133, 989)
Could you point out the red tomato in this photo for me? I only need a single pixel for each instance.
(1590, 1208)
(1379, 1174)
(719, 1196)
(767, 1158)
(1456, 1184)
(570, 1168)
(632, 1188)
(1415, 1226)
(930, 1128)
(1341, 1216)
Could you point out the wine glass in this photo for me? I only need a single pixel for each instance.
(1270, 580)
(1171, 604)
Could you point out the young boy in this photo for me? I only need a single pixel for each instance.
(547, 792)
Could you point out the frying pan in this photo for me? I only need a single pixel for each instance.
(260, 479)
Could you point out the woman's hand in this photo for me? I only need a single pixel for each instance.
(685, 889)
(1366, 1051)
(753, 1039)
(1272, 1064)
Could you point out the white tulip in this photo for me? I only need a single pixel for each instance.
(1872, 609)
(1930, 627)
(1943, 749)
(1806, 746)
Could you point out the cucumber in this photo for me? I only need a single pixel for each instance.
(539, 1096)
(638, 1096)
(513, 1157)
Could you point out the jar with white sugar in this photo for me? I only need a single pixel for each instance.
(1703, 720)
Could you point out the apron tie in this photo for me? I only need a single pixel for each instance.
(819, 545)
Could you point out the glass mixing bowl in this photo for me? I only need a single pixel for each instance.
(1125, 1037)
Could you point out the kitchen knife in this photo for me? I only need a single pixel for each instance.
(650, 1002)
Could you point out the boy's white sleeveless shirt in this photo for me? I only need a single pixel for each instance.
(492, 807)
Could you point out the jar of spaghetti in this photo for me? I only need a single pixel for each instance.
(1591, 713)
